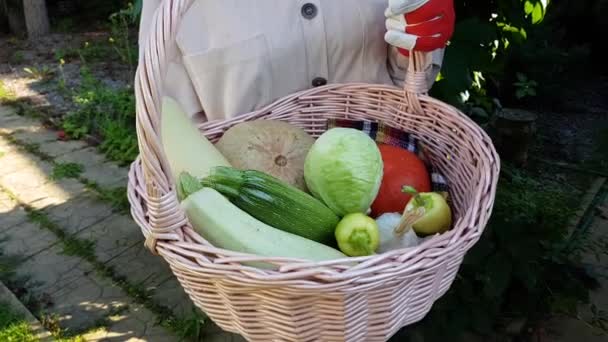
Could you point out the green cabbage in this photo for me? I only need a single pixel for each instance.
(344, 170)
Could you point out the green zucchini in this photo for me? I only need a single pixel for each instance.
(226, 226)
(275, 203)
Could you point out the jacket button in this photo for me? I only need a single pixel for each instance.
(309, 11)
(319, 81)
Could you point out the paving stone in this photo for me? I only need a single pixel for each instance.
(59, 148)
(7, 147)
(16, 160)
(213, 333)
(7, 111)
(87, 157)
(140, 266)
(32, 187)
(107, 175)
(566, 329)
(71, 289)
(223, 337)
(11, 123)
(136, 325)
(36, 134)
(97, 169)
(26, 239)
(171, 294)
(11, 213)
(112, 236)
(57, 193)
(79, 212)
(26, 182)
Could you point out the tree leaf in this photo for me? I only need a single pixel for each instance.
(520, 93)
(538, 13)
(528, 7)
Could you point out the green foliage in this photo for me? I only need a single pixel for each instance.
(66, 170)
(492, 43)
(17, 57)
(107, 113)
(524, 86)
(94, 52)
(120, 24)
(6, 95)
(120, 142)
(191, 326)
(519, 268)
(116, 197)
(13, 327)
(42, 73)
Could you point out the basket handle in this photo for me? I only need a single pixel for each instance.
(151, 69)
(416, 84)
(150, 72)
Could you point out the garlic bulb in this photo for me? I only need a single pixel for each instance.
(390, 238)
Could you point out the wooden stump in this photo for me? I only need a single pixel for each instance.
(513, 132)
(36, 18)
(13, 10)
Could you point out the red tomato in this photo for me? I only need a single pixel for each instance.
(401, 167)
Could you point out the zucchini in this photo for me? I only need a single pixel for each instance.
(226, 226)
(186, 148)
(275, 203)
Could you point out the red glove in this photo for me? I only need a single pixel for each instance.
(421, 25)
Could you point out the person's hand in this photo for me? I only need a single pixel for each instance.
(421, 25)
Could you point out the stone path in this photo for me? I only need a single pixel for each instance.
(83, 262)
(573, 330)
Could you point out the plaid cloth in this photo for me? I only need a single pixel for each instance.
(384, 134)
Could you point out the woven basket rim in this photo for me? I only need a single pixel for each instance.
(335, 267)
(169, 233)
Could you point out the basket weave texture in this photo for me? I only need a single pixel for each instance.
(354, 299)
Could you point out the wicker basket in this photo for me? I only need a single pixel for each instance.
(358, 299)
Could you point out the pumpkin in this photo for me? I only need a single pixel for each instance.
(275, 147)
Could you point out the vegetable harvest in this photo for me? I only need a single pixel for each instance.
(273, 147)
(180, 137)
(357, 235)
(344, 170)
(275, 203)
(226, 226)
(289, 195)
(401, 167)
(437, 215)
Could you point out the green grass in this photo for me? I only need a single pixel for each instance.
(116, 197)
(66, 170)
(6, 95)
(17, 58)
(13, 328)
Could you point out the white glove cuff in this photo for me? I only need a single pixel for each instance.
(401, 39)
(400, 7)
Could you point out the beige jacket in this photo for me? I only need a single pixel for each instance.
(234, 56)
